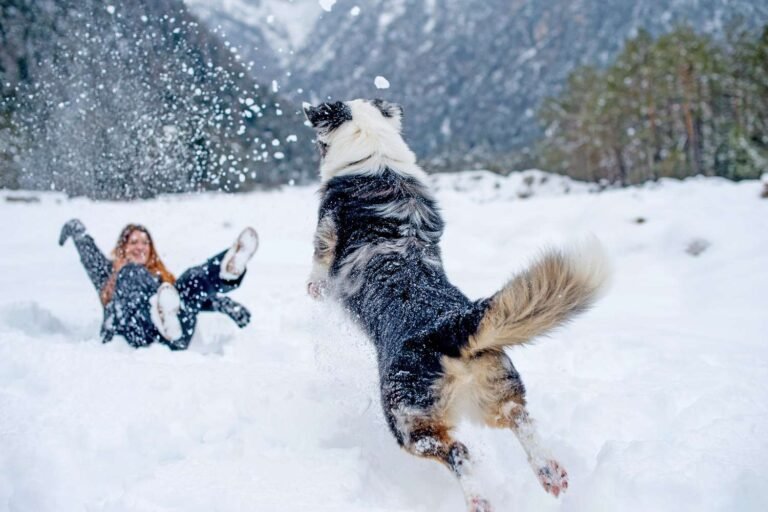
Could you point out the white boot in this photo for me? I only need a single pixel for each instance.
(237, 257)
(164, 310)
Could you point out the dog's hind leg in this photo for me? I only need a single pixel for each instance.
(414, 404)
(550, 473)
(501, 395)
(428, 439)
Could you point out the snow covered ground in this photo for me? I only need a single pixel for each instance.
(655, 400)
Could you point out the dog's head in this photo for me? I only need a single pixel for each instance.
(359, 136)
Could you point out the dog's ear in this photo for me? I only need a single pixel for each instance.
(387, 109)
(327, 116)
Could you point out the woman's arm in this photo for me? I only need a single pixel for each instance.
(98, 266)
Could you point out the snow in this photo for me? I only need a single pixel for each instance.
(380, 82)
(326, 5)
(395, 9)
(484, 186)
(654, 400)
(288, 22)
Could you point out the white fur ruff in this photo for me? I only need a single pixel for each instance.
(368, 144)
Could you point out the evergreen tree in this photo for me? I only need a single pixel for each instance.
(677, 106)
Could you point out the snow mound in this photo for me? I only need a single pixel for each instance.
(654, 400)
(483, 186)
(31, 319)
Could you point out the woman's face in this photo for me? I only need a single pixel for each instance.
(137, 248)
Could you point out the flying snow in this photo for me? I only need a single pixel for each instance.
(327, 5)
(381, 83)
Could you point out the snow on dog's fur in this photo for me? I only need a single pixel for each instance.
(440, 355)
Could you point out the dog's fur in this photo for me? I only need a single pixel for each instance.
(439, 354)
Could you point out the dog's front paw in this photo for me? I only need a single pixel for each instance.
(478, 504)
(553, 477)
(316, 289)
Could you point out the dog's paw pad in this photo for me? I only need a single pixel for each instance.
(553, 478)
(478, 504)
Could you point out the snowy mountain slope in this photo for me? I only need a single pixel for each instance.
(129, 100)
(470, 73)
(265, 31)
(655, 400)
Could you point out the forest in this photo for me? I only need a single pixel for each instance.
(678, 105)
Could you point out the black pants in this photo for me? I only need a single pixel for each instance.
(128, 313)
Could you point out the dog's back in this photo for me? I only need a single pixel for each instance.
(387, 267)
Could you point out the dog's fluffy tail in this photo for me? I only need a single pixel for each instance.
(558, 286)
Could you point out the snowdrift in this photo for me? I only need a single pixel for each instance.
(655, 400)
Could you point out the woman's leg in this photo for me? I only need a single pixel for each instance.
(233, 309)
(238, 256)
(175, 323)
(197, 290)
(200, 287)
(198, 284)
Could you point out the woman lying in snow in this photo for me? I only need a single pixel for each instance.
(143, 302)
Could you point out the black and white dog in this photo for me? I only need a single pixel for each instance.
(376, 251)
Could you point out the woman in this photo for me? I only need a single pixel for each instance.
(143, 302)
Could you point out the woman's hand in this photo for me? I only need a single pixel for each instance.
(72, 228)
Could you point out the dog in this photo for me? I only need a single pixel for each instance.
(440, 355)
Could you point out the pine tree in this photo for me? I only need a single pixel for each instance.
(674, 107)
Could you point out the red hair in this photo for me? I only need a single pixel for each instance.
(153, 264)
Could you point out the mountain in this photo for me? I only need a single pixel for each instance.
(471, 74)
(267, 32)
(134, 99)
